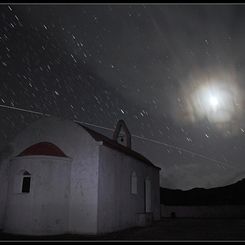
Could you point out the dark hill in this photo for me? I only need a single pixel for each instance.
(233, 194)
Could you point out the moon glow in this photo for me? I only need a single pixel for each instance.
(215, 99)
(214, 102)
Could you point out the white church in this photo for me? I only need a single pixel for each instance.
(59, 177)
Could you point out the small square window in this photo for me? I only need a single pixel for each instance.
(26, 184)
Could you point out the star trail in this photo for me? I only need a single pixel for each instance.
(174, 73)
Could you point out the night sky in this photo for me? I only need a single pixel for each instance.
(174, 73)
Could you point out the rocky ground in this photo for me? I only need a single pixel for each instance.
(165, 230)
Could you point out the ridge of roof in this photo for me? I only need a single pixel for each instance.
(114, 145)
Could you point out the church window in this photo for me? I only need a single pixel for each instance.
(26, 182)
(134, 183)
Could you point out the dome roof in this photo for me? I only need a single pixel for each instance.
(43, 148)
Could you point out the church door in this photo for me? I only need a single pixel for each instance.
(147, 195)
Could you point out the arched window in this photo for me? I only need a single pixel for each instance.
(26, 182)
(133, 183)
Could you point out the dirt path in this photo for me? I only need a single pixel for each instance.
(166, 229)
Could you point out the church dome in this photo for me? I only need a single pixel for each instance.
(43, 148)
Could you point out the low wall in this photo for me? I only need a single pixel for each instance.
(214, 211)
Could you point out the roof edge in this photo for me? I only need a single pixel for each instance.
(114, 145)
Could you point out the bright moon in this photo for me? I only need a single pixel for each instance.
(213, 98)
(214, 102)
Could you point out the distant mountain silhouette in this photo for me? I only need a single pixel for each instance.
(233, 194)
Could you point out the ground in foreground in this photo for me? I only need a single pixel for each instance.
(166, 229)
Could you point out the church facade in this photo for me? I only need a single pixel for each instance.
(60, 177)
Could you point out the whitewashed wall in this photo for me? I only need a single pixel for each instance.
(83, 151)
(72, 205)
(44, 210)
(118, 208)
